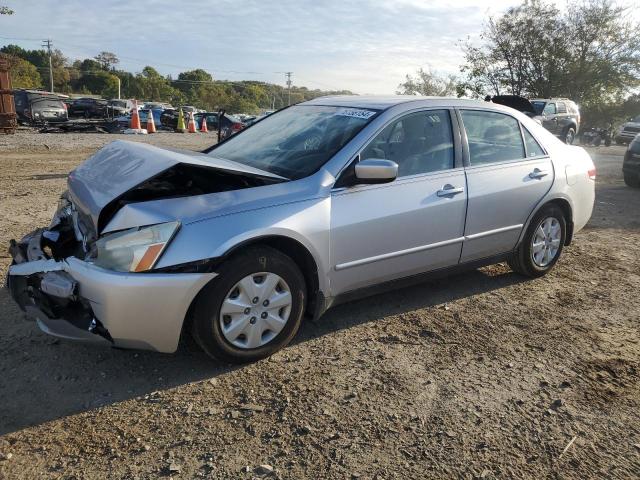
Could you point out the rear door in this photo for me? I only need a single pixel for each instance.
(411, 225)
(564, 119)
(550, 118)
(508, 173)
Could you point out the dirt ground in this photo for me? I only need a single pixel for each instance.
(481, 375)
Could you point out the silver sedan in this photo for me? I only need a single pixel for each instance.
(317, 203)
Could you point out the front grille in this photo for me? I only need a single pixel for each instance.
(632, 129)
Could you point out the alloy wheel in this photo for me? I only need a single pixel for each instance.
(545, 243)
(255, 310)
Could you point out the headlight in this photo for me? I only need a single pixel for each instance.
(136, 249)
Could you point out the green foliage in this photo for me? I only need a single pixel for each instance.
(428, 83)
(23, 73)
(589, 53)
(6, 11)
(107, 60)
(98, 82)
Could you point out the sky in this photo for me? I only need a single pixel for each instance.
(366, 46)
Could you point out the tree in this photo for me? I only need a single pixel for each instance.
(428, 83)
(98, 82)
(107, 60)
(6, 11)
(590, 53)
(23, 73)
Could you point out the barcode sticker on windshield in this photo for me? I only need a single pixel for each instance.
(357, 113)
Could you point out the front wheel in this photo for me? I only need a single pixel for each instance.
(632, 180)
(542, 243)
(252, 309)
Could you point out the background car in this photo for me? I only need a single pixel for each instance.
(631, 163)
(560, 116)
(628, 131)
(117, 107)
(34, 106)
(88, 108)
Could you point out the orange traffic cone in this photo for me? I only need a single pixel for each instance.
(203, 127)
(192, 124)
(135, 118)
(151, 124)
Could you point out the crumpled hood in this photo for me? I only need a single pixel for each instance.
(121, 166)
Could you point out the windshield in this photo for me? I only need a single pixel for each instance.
(44, 101)
(296, 141)
(118, 103)
(538, 107)
(636, 119)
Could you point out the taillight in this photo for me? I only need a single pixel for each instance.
(236, 127)
(592, 173)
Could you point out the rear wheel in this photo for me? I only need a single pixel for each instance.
(542, 243)
(569, 136)
(252, 309)
(632, 180)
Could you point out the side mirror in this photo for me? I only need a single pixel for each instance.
(376, 170)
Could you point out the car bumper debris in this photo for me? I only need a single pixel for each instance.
(74, 299)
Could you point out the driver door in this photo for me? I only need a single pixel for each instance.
(411, 225)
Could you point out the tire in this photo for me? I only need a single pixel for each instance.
(569, 136)
(522, 260)
(248, 265)
(632, 180)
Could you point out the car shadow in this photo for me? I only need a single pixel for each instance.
(44, 378)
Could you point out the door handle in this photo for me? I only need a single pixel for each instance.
(537, 173)
(449, 189)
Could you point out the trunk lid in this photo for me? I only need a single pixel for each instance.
(516, 102)
(122, 166)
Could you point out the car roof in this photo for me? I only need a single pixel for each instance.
(384, 102)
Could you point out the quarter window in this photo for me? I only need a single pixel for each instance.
(562, 108)
(533, 147)
(419, 143)
(493, 137)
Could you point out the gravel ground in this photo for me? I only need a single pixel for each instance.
(482, 375)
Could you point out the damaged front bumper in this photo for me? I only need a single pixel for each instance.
(75, 299)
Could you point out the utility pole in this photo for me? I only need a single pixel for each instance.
(47, 43)
(288, 75)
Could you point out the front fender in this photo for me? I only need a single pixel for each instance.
(306, 222)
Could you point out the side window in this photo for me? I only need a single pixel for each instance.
(533, 147)
(493, 137)
(19, 100)
(562, 108)
(419, 143)
(550, 109)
